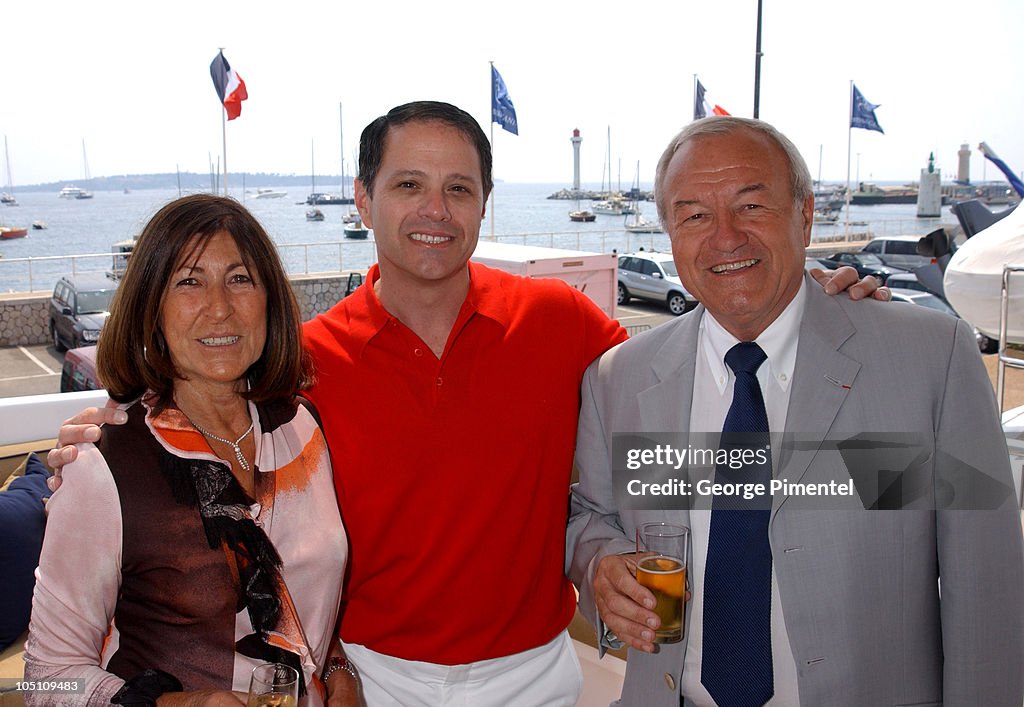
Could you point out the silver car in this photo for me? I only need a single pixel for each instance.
(652, 276)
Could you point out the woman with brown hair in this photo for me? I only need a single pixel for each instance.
(203, 537)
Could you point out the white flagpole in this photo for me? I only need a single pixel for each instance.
(849, 144)
(492, 146)
(224, 136)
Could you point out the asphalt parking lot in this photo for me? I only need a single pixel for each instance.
(29, 370)
(35, 370)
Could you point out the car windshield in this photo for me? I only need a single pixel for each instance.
(93, 302)
(669, 267)
(933, 302)
(872, 261)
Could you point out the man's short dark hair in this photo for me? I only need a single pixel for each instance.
(371, 142)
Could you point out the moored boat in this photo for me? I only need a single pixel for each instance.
(582, 216)
(73, 192)
(266, 193)
(872, 194)
(319, 199)
(356, 230)
(314, 215)
(10, 232)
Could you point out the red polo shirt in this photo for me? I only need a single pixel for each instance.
(453, 474)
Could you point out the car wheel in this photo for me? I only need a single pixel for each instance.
(676, 303)
(56, 339)
(987, 345)
(623, 297)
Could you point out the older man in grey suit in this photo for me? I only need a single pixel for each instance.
(904, 582)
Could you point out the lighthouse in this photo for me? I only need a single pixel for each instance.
(576, 140)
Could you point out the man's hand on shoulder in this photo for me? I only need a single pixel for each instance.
(845, 279)
(83, 427)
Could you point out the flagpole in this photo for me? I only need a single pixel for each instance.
(224, 136)
(757, 65)
(492, 148)
(694, 98)
(849, 145)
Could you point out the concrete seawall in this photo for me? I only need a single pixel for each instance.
(24, 317)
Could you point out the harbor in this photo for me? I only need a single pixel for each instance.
(80, 234)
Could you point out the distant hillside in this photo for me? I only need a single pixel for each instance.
(193, 181)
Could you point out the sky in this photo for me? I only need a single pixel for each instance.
(132, 80)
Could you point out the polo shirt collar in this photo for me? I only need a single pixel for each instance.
(485, 297)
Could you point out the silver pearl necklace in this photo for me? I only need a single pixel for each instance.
(234, 445)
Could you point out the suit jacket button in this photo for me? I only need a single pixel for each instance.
(670, 681)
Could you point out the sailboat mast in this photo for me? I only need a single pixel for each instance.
(609, 160)
(85, 162)
(7, 163)
(312, 163)
(341, 136)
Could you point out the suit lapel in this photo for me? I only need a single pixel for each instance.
(665, 406)
(820, 374)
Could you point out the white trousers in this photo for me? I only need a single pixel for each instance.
(548, 676)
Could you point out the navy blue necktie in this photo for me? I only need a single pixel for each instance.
(736, 663)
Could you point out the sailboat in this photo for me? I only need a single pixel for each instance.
(313, 214)
(318, 199)
(639, 224)
(7, 197)
(73, 192)
(9, 232)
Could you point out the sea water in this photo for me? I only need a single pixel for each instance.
(520, 213)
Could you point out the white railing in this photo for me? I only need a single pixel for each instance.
(31, 418)
(37, 274)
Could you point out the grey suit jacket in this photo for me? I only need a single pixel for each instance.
(860, 588)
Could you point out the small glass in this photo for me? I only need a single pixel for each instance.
(661, 551)
(273, 685)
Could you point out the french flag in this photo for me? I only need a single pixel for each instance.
(701, 107)
(230, 86)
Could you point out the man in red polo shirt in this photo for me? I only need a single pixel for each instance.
(449, 394)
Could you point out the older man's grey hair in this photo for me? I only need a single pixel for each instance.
(799, 175)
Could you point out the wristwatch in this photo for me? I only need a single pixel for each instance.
(335, 663)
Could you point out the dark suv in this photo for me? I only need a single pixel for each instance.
(79, 307)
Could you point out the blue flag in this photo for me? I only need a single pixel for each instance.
(1015, 181)
(863, 113)
(699, 108)
(502, 111)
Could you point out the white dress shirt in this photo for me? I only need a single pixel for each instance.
(712, 396)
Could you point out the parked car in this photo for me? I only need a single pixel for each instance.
(910, 282)
(863, 263)
(652, 276)
(925, 299)
(79, 307)
(898, 251)
(79, 371)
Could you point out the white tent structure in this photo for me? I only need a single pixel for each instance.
(973, 280)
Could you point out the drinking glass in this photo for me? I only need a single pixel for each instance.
(273, 685)
(661, 550)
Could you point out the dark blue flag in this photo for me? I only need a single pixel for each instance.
(863, 113)
(1015, 181)
(699, 108)
(502, 111)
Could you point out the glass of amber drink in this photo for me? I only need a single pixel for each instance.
(273, 685)
(661, 551)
